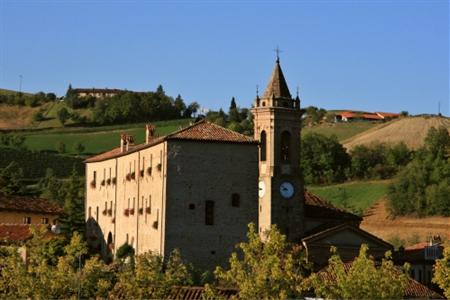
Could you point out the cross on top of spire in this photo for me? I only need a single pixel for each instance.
(278, 51)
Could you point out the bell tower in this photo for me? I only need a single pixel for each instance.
(277, 119)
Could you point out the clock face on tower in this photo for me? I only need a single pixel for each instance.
(261, 189)
(287, 190)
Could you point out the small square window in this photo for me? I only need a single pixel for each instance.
(191, 206)
(44, 221)
(235, 200)
(26, 220)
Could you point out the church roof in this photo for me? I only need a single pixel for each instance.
(202, 131)
(277, 86)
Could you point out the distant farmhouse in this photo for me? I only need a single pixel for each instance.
(96, 93)
(18, 213)
(349, 116)
(197, 189)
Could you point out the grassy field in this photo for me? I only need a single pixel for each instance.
(95, 139)
(354, 196)
(342, 131)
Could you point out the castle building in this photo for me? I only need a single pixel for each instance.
(194, 190)
(198, 188)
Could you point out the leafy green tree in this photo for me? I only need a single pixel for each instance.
(38, 116)
(152, 277)
(437, 141)
(17, 140)
(79, 148)
(10, 179)
(50, 187)
(235, 127)
(363, 279)
(441, 269)
(269, 269)
(125, 251)
(191, 109)
(63, 115)
(179, 104)
(323, 159)
(72, 192)
(61, 147)
(233, 113)
(423, 186)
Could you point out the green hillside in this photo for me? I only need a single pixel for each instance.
(354, 196)
(11, 92)
(342, 131)
(95, 139)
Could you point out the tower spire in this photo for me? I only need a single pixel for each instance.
(277, 86)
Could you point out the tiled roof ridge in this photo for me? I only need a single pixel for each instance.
(112, 153)
(327, 203)
(204, 121)
(29, 204)
(344, 225)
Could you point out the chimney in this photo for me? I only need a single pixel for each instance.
(123, 142)
(149, 133)
(130, 142)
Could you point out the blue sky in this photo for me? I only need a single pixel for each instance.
(365, 55)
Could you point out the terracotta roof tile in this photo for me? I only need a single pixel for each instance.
(14, 233)
(316, 207)
(413, 288)
(202, 131)
(29, 204)
(206, 131)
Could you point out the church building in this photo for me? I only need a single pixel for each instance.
(198, 188)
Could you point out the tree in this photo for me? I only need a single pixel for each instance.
(233, 113)
(362, 280)
(17, 140)
(323, 159)
(79, 148)
(61, 147)
(38, 116)
(191, 109)
(72, 193)
(441, 269)
(10, 179)
(423, 186)
(63, 115)
(50, 187)
(70, 91)
(266, 269)
(404, 113)
(160, 90)
(152, 277)
(437, 141)
(179, 104)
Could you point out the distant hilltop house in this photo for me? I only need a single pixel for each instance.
(349, 116)
(96, 93)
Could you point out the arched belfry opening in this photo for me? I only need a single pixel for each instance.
(285, 146)
(263, 146)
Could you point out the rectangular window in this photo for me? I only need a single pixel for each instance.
(96, 214)
(44, 221)
(209, 212)
(94, 176)
(26, 220)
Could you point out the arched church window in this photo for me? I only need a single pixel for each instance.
(285, 146)
(263, 146)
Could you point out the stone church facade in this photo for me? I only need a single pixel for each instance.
(198, 188)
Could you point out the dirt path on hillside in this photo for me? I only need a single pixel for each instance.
(378, 222)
